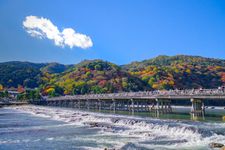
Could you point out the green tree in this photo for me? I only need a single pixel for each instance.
(151, 81)
(98, 67)
(80, 88)
(58, 90)
(97, 90)
(6, 94)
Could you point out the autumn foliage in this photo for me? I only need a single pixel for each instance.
(98, 76)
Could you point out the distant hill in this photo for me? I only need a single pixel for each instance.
(164, 60)
(181, 71)
(27, 74)
(55, 68)
(17, 73)
(98, 76)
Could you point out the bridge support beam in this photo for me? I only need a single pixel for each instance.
(132, 106)
(114, 106)
(78, 104)
(88, 104)
(158, 106)
(99, 105)
(163, 106)
(197, 108)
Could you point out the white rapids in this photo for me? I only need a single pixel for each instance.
(145, 132)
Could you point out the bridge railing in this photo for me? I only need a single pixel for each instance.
(156, 93)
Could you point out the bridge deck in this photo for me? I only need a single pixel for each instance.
(172, 94)
(12, 103)
(148, 101)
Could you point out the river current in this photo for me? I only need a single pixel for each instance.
(38, 127)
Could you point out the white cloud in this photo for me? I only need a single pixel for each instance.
(43, 28)
(71, 38)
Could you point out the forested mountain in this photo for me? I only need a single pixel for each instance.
(95, 76)
(98, 76)
(164, 60)
(181, 71)
(55, 68)
(17, 73)
(26, 74)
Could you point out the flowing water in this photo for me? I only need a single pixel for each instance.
(37, 127)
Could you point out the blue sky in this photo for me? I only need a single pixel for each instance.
(121, 31)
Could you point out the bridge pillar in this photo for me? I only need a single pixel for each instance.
(169, 108)
(95, 104)
(146, 106)
(59, 103)
(48, 103)
(141, 106)
(75, 103)
(114, 106)
(124, 105)
(137, 106)
(88, 104)
(157, 107)
(70, 104)
(109, 104)
(163, 106)
(54, 103)
(67, 103)
(103, 105)
(79, 103)
(197, 108)
(132, 106)
(153, 106)
(127, 103)
(120, 105)
(100, 105)
(62, 103)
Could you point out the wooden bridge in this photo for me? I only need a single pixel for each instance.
(147, 101)
(14, 103)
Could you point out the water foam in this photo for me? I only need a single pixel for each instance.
(144, 130)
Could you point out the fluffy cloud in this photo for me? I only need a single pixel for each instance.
(71, 38)
(43, 28)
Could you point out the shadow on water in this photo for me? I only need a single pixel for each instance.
(216, 115)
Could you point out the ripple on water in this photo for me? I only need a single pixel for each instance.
(140, 132)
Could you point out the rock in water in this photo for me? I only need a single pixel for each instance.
(216, 145)
(131, 146)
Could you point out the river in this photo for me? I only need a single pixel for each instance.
(38, 127)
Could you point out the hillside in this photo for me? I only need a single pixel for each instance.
(55, 68)
(27, 74)
(95, 76)
(98, 76)
(16, 73)
(164, 60)
(181, 71)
